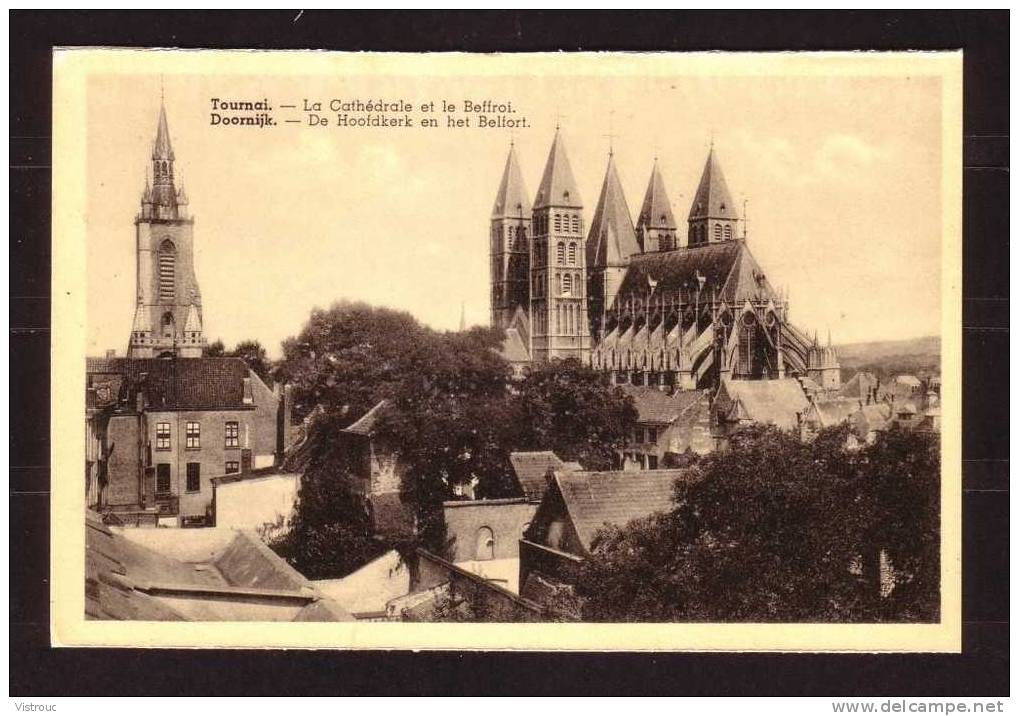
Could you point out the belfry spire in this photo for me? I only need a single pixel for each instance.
(611, 241)
(713, 215)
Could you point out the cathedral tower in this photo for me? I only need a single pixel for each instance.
(823, 365)
(712, 216)
(656, 227)
(610, 244)
(559, 327)
(168, 312)
(510, 245)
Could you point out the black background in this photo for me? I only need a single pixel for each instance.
(982, 668)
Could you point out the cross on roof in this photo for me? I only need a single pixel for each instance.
(610, 135)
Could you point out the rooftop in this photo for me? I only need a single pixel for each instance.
(595, 499)
(172, 383)
(212, 574)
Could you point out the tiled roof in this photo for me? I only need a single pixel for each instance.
(594, 499)
(178, 383)
(728, 268)
(512, 200)
(611, 240)
(531, 469)
(656, 211)
(365, 425)
(558, 187)
(712, 199)
(871, 417)
(764, 401)
(656, 406)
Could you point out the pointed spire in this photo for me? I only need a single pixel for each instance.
(712, 200)
(162, 148)
(512, 199)
(558, 187)
(611, 240)
(656, 211)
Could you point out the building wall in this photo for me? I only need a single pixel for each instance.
(252, 503)
(212, 453)
(123, 468)
(265, 423)
(466, 521)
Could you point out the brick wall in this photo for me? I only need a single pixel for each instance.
(124, 463)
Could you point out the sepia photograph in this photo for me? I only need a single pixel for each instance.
(594, 351)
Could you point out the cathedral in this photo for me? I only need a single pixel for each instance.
(635, 299)
(168, 309)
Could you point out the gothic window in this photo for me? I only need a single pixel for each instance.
(558, 222)
(718, 232)
(576, 224)
(167, 270)
(573, 253)
(567, 284)
(560, 252)
(728, 233)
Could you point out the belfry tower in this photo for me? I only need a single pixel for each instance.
(510, 245)
(168, 312)
(559, 327)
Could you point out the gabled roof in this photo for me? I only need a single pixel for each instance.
(531, 469)
(558, 187)
(658, 407)
(179, 383)
(712, 200)
(773, 402)
(595, 499)
(656, 211)
(511, 200)
(835, 411)
(728, 269)
(365, 425)
(611, 241)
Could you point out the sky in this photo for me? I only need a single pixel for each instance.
(841, 175)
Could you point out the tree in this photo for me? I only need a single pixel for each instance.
(574, 411)
(252, 353)
(348, 358)
(451, 419)
(770, 530)
(329, 534)
(215, 349)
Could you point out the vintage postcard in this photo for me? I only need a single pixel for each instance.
(599, 351)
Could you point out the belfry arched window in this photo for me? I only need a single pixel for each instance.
(558, 222)
(576, 224)
(167, 258)
(166, 325)
(573, 253)
(567, 284)
(728, 232)
(718, 232)
(560, 252)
